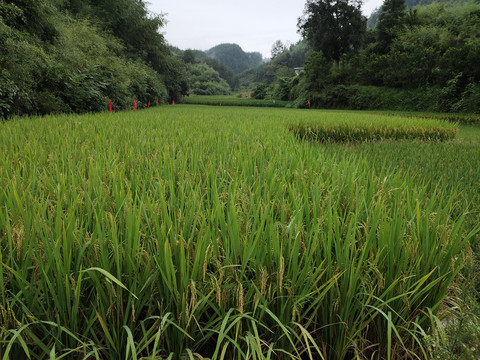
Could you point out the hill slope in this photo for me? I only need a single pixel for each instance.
(234, 57)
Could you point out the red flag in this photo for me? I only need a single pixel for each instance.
(134, 105)
(186, 99)
(110, 106)
(157, 101)
(148, 102)
(308, 102)
(173, 102)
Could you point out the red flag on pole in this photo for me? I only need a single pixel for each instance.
(148, 102)
(186, 99)
(157, 101)
(309, 103)
(134, 105)
(173, 102)
(110, 106)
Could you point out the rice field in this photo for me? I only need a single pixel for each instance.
(234, 100)
(342, 128)
(194, 232)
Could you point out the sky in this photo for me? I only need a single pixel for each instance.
(253, 24)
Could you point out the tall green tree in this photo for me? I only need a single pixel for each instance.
(278, 47)
(334, 27)
(391, 21)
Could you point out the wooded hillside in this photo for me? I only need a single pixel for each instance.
(73, 56)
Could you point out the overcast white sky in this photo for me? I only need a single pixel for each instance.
(253, 24)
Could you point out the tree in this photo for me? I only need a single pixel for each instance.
(189, 57)
(278, 47)
(317, 71)
(204, 80)
(390, 22)
(334, 27)
(260, 91)
(224, 71)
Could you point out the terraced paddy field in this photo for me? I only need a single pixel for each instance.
(193, 232)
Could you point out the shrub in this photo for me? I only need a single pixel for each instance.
(283, 87)
(260, 91)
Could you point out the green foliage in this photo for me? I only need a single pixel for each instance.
(291, 57)
(197, 56)
(391, 21)
(282, 65)
(260, 91)
(204, 80)
(234, 57)
(34, 17)
(8, 92)
(430, 52)
(224, 72)
(317, 71)
(376, 98)
(278, 48)
(53, 62)
(431, 99)
(469, 100)
(333, 27)
(283, 88)
(129, 21)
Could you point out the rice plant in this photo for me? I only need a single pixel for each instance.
(373, 128)
(206, 232)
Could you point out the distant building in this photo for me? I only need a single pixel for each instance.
(298, 70)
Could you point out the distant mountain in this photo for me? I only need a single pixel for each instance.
(234, 57)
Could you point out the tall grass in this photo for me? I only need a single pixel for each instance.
(190, 232)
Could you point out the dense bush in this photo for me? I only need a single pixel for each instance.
(433, 99)
(204, 80)
(52, 62)
(283, 88)
(260, 91)
(425, 60)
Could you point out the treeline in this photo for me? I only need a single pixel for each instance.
(278, 76)
(425, 58)
(206, 75)
(73, 56)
